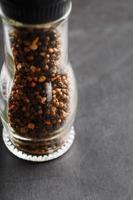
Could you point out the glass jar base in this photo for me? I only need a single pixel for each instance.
(38, 158)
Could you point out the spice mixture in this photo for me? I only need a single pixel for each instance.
(39, 99)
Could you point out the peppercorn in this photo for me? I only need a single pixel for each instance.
(39, 99)
(42, 79)
(31, 126)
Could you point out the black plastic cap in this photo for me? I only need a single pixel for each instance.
(35, 11)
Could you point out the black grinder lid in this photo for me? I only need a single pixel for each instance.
(35, 11)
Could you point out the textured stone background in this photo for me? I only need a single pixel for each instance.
(100, 164)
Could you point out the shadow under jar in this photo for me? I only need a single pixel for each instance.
(38, 91)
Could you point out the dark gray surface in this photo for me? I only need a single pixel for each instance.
(100, 164)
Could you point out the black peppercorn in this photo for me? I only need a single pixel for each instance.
(39, 99)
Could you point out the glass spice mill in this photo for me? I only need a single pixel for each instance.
(38, 95)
